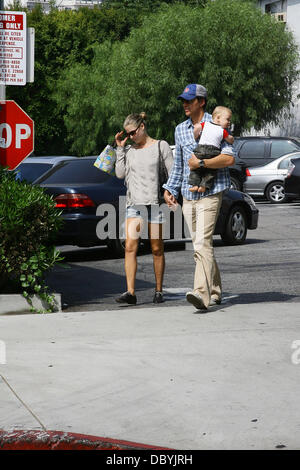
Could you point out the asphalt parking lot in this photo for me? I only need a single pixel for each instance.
(265, 269)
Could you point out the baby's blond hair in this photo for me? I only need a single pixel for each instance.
(220, 110)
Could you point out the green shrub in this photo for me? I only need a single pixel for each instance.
(29, 223)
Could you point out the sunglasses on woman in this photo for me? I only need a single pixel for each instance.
(131, 133)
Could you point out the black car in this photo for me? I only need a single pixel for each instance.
(33, 168)
(292, 180)
(258, 151)
(93, 201)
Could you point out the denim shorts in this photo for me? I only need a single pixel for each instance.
(151, 213)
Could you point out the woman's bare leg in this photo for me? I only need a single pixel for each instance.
(133, 229)
(157, 247)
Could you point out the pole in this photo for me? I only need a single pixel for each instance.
(2, 87)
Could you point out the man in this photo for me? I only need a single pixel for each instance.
(200, 210)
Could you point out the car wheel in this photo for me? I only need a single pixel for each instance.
(275, 193)
(235, 184)
(236, 227)
(117, 246)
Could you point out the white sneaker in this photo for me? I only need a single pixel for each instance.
(196, 300)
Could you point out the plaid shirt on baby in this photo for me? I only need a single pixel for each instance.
(185, 144)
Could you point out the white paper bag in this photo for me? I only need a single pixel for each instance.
(106, 160)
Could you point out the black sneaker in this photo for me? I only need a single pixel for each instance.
(158, 298)
(126, 298)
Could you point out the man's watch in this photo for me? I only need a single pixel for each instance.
(201, 163)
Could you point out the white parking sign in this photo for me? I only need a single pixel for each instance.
(12, 48)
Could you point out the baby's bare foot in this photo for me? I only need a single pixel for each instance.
(201, 189)
(194, 189)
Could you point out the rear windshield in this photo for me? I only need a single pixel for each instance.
(284, 164)
(73, 172)
(31, 171)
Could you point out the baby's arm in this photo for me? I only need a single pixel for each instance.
(197, 130)
(229, 139)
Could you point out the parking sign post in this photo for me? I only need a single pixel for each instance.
(2, 87)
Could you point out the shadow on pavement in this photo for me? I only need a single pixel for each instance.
(97, 253)
(248, 241)
(76, 254)
(260, 297)
(84, 285)
(248, 298)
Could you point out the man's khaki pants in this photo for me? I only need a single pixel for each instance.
(201, 217)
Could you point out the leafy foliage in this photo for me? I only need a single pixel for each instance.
(147, 5)
(93, 67)
(81, 96)
(219, 46)
(63, 39)
(29, 222)
(256, 62)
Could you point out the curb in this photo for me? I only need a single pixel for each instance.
(16, 303)
(59, 440)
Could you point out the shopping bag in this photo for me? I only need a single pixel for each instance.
(106, 160)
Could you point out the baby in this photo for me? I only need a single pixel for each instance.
(212, 134)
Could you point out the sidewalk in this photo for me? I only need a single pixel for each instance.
(170, 377)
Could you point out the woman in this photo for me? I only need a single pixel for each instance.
(139, 165)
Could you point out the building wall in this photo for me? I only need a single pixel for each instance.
(61, 4)
(292, 10)
(293, 18)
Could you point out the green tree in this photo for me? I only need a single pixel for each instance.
(81, 97)
(148, 5)
(62, 40)
(223, 46)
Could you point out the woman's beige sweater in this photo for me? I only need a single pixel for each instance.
(140, 168)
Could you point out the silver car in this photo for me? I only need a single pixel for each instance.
(268, 180)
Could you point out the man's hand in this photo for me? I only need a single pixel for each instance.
(171, 201)
(220, 161)
(193, 162)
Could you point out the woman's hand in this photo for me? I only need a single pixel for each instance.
(119, 141)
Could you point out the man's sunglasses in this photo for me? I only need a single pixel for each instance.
(131, 133)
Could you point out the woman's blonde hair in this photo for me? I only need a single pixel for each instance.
(135, 119)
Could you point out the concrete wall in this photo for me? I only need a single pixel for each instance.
(61, 4)
(293, 18)
(292, 9)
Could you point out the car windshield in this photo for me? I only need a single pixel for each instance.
(31, 171)
(75, 172)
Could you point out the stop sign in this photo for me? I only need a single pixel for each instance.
(16, 134)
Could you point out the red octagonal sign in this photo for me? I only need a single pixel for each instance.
(16, 134)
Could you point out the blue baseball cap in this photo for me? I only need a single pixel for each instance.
(192, 91)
